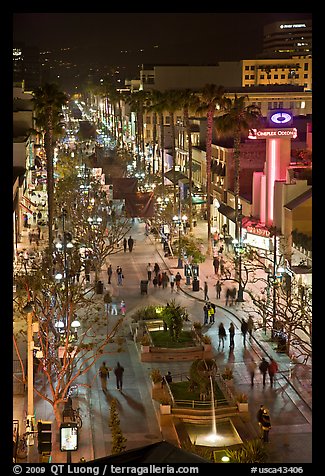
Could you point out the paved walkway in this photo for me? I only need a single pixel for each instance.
(289, 401)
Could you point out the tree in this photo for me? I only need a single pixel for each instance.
(174, 316)
(48, 101)
(236, 120)
(138, 102)
(210, 97)
(189, 102)
(68, 356)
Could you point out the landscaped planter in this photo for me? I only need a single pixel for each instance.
(242, 407)
(165, 409)
(145, 348)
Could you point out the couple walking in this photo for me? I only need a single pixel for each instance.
(104, 376)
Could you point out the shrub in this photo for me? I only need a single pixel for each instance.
(206, 339)
(227, 374)
(155, 375)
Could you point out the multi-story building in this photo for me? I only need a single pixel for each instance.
(287, 38)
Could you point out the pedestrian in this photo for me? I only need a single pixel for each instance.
(218, 289)
(216, 263)
(244, 329)
(104, 376)
(120, 276)
(206, 291)
(38, 232)
(205, 314)
(259, 416)
(211, 312)
(114, 307)
(222, 266)
(178, 279)
(231, 335)
(30, 237)
(159, 278)
(123, 307)
(118, 371)
(272, 370)
(232, 295)
(168, 378)
(149, 271)
(250, 326)
(130, 243)
(266, 424)
(155, 281)
(222, 335)
(125, 244)
(172, 282)
(264, 365)
(164, 280)
(252, 369)
(109, 273)
(107, 302)
(156, 269)
(227, 296)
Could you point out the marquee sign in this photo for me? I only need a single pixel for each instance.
(273, 133)
(258, 231)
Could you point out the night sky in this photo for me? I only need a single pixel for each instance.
(188, 38)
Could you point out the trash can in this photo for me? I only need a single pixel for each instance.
(144, 286)
(99, 287)
(196, 285)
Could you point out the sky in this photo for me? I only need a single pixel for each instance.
(188, 38)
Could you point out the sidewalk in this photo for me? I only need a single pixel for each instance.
(141, 423)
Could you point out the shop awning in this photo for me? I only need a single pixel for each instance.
(179, 176)
(26, 209)
(227, 211)
(198, 200)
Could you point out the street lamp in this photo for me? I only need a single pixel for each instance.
(179, 221)
(28, 310)
(240, 246)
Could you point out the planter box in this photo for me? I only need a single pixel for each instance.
(242, 407)
(145, 348)
(165, 409)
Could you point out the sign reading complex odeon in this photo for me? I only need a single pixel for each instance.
(273, 133)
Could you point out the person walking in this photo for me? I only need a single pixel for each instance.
(259, 415)
(211, 312)
(252, 369)
(149, 271)
(266, 424)
(123, 307)
(218, 289)
(172, 282)
(264, 365)
(222, 335)
(104, 376)
(107, 302)
(118, 371)
(222, 266)
(216, 263)
(164, 280)
(130, 243)
(156, 269)
(178, 279)
(125, 244)
(231, 335)
(250, 326)
(109, 274)
(205, 314)
(87, 269)
(206, 291)
(114, 307)
(244, 329)
(272, 370)
(120, 276)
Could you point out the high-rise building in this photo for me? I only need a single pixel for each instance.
(26, 66)
(287, 38)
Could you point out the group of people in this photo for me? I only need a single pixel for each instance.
(111, 304)
(128, 244)
(104, 375)
(209, 311)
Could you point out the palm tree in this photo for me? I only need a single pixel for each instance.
(189, 101)
(211, 96)
(236, 121)
(48, 101)
(157, 105)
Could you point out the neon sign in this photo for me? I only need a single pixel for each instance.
(258, 231)
(273, 133)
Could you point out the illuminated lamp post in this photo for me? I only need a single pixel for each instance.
(239, 246)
